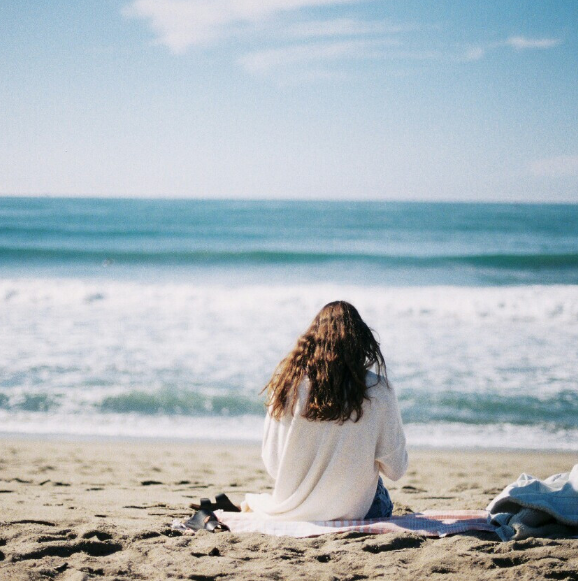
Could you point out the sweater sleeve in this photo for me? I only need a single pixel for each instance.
(391, 454)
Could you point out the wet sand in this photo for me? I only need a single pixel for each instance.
(102, 510)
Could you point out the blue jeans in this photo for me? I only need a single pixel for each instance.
(381, 506)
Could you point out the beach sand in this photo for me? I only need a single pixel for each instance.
(102, 510)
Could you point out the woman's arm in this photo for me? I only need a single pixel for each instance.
(391, 453)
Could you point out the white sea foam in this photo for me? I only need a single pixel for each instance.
(78, 341)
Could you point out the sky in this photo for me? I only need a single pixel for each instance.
(290, 99)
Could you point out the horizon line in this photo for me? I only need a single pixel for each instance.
(4, 195)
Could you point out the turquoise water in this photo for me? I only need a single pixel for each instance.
(408, 243)
(155, 317)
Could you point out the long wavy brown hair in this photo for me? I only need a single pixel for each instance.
(335, 354)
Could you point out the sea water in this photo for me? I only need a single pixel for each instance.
(165, 318)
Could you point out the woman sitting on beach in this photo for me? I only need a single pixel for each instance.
(332, 425)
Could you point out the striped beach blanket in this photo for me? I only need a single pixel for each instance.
(430, 523)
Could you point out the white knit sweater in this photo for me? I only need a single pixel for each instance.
(327, 471)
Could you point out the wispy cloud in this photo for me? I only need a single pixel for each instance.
(474, 53)
(343, 27)
(263, 61)
(518, 43)
(180, 24)
(523, 43)
(286, 36)
(272, 60)
(557, 167)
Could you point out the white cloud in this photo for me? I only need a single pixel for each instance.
(559, 166)
(522, 43)
(474, 53)
(518, 43)
(346, 27)
(264, 60)
(319, 44)
(179, 24)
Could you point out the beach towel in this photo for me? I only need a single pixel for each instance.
(531, 507)
(430, 523)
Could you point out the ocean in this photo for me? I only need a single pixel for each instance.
(165, 318)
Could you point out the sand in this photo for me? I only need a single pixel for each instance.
(102, 510)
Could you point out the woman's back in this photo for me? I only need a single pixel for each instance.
(328, 470)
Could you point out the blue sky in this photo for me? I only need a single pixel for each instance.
(308, 99)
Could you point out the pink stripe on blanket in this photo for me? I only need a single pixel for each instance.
(430, 523)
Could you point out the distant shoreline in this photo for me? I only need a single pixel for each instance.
(220, 443)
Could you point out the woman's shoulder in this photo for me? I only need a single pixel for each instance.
(373, 380)
(378, 387)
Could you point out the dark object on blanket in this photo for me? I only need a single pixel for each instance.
(222, 502)
(207, 520)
